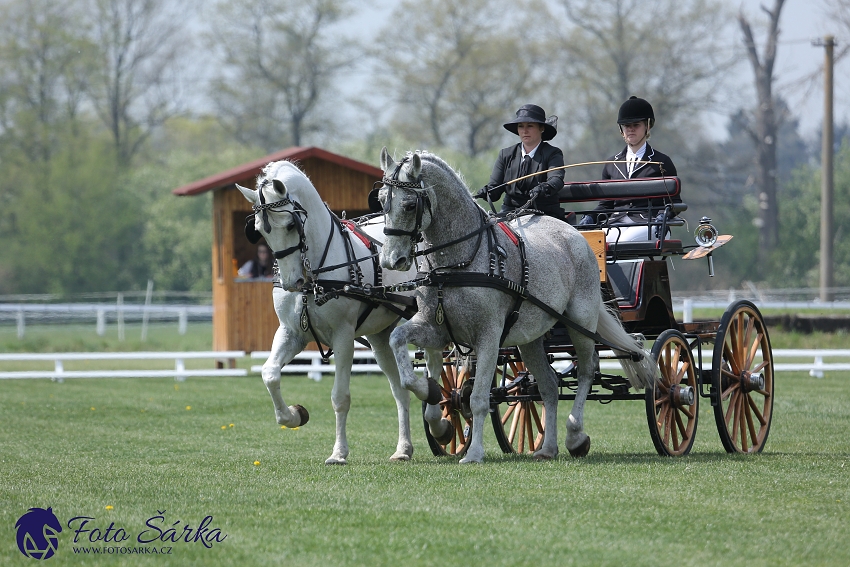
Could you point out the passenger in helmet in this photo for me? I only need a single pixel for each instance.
(635, 121)
(533, 154)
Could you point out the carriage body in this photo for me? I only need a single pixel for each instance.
(738, 382)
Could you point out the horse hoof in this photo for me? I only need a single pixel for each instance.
(543, 457)
(582, 450)
(332, 461)
(400, 458)
(302, 413)
(447, 435)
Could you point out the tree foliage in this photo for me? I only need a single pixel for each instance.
(280, 60)
(465, 70)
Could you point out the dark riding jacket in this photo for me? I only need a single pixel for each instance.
(517, 194)
(642, 169)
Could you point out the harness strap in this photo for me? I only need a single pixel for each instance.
(466, 279)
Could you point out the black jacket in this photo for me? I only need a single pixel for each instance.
(643, 169)
(517, 194)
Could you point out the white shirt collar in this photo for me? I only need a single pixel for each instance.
(532, 152)
(638, 154)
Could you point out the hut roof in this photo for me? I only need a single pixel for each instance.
(253, 168)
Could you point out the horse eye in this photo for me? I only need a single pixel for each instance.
(290, 226)
(409, 207)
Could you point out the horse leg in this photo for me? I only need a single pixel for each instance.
(578, 442)
(487, 351)
(424, 336)
(341, 394)
(441, 428)
(385, 359)
(534, 357)
(284, 348)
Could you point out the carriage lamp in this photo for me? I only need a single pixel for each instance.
(705, 234)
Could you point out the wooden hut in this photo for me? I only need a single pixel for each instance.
(243, 315)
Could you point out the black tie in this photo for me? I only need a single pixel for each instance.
(525, 166)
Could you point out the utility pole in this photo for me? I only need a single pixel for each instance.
(826, 187)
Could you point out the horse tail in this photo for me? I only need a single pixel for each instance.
(642, 373)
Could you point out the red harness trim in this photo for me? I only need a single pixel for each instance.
(355, 230)
(507, 230)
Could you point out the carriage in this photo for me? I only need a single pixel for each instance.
(738, 382)
(332, 289)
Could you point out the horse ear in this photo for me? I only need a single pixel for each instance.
(279, 186)
(415, 166)
(248, 193)
(386, 161)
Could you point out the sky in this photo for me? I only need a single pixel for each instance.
(801, 22)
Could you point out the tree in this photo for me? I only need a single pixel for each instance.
(135, 87)
(669, 52)
(280, 59)
(458, 69)
(44, 55)
(765, 127)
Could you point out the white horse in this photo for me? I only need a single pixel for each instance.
(423, 198)
(283, 203)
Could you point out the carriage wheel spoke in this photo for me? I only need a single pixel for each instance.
(747, 334)
(729, 391)
(731, 409)
(750, 425)
(682, 428)
(753, 351)
(682, 372)
(743, 427)
(756, 410)
(729, 356)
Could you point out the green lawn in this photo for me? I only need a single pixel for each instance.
(83, 445)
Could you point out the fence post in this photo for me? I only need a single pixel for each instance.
(21, 324)
(59, 369)
(145, 313)
(101, 321)
(316, 363)
(688, 311)
(180, 369)
(182, 320)
(817, 372)
(121, 317)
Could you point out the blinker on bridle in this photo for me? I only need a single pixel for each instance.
(422, 201)
(263, 207)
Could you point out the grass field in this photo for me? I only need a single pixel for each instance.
(143, 447)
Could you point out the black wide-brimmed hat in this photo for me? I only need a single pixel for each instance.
(533, 113)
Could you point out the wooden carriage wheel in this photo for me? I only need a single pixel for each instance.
(672, 406)
(519, 428)
(456, 387)
(742, 379)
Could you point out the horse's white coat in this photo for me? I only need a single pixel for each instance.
(334, 322)
(563, 274)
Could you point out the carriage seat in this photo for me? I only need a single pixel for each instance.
(620, 189)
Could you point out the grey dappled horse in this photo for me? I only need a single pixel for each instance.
(298, 210)
(423, 190)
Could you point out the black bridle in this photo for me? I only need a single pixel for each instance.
(296, 214)
(422, 202)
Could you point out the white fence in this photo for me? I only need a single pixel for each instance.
(311, 364)
(179, 373)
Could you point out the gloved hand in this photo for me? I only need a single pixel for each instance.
(537, 192)
(656, 230)
(586, 220)
(480, 194)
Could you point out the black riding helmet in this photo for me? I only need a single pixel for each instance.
(634, 110)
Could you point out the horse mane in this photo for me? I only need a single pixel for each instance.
(271, 169)
(435, 161)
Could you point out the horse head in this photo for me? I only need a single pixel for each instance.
(280, 218)
(408, 207)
